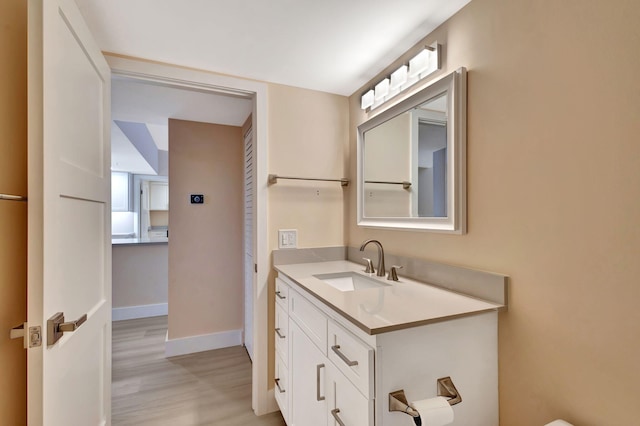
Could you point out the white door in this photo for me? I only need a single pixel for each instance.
(249, 240)
(69, 218)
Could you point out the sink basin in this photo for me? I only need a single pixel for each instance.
(350, 281)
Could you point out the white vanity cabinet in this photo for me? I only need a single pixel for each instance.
(332, 372)
(319, 391)
(282, 389)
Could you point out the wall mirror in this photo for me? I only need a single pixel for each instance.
(412, 161)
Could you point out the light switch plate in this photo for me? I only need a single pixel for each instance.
(287, 238)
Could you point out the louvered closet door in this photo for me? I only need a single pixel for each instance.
(249, 217)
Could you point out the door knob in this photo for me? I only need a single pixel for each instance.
(56, 327)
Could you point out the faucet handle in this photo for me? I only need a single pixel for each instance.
(393, 273)
(369, 269)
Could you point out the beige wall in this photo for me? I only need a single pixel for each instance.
(554, 199)
(308, 134)
(140, 274)
(308, 137)
(205, 249)
(13, 215)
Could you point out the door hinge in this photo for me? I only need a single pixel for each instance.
(31, 339)
(255, 267)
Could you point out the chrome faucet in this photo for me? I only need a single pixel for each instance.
(380, 268)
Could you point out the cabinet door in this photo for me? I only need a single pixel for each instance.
(307, 369)
(120, 192)
(346, 405)
(158, 196)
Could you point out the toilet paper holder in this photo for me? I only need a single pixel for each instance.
(446, 388)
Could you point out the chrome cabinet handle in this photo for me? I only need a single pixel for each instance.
(336, 349)
(280, 335)
(318, 368)
(278, 385)
(334, 413)
(280, 296)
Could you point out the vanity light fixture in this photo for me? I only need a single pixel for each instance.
(398, 77)
(423, 64)
(419, 63)
(382, 89)
(367, 99)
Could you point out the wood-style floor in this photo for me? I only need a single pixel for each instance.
(207, 388)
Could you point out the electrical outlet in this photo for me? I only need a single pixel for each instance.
(287, 238)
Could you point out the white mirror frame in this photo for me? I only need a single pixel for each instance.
(455, 85)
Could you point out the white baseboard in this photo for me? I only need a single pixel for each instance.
(204, 342)
(140, 311)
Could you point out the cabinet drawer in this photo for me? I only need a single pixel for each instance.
(282, 334)
(353, 357)
(282, 294)
(310, 319)
(158, 234)
(346, 403)
(281, 390)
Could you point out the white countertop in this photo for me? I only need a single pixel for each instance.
(123, 241)
(403, 304)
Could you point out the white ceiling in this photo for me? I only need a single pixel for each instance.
(153, 105)
(334, 46)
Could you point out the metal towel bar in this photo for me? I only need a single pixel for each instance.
(405, 184)
(274, 179)
(9, 197)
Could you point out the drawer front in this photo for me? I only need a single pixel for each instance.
(346, 403)
(282, 294)
(158, 234)
(353, 357)
(309, 318)
(281, 389)
(282, 334)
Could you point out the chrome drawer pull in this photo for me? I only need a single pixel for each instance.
(334, 413)
(318, 368)
(280, 335)
(278, 385)
(336, 349)
(280, 296)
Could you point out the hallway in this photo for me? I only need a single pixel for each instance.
(206, 388)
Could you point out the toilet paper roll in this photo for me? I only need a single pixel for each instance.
(434, 411)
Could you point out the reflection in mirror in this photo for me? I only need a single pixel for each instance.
(411, 161)
(405, 163)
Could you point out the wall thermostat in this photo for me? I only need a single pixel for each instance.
(197, 199)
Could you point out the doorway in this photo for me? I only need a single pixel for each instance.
(164, 75)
